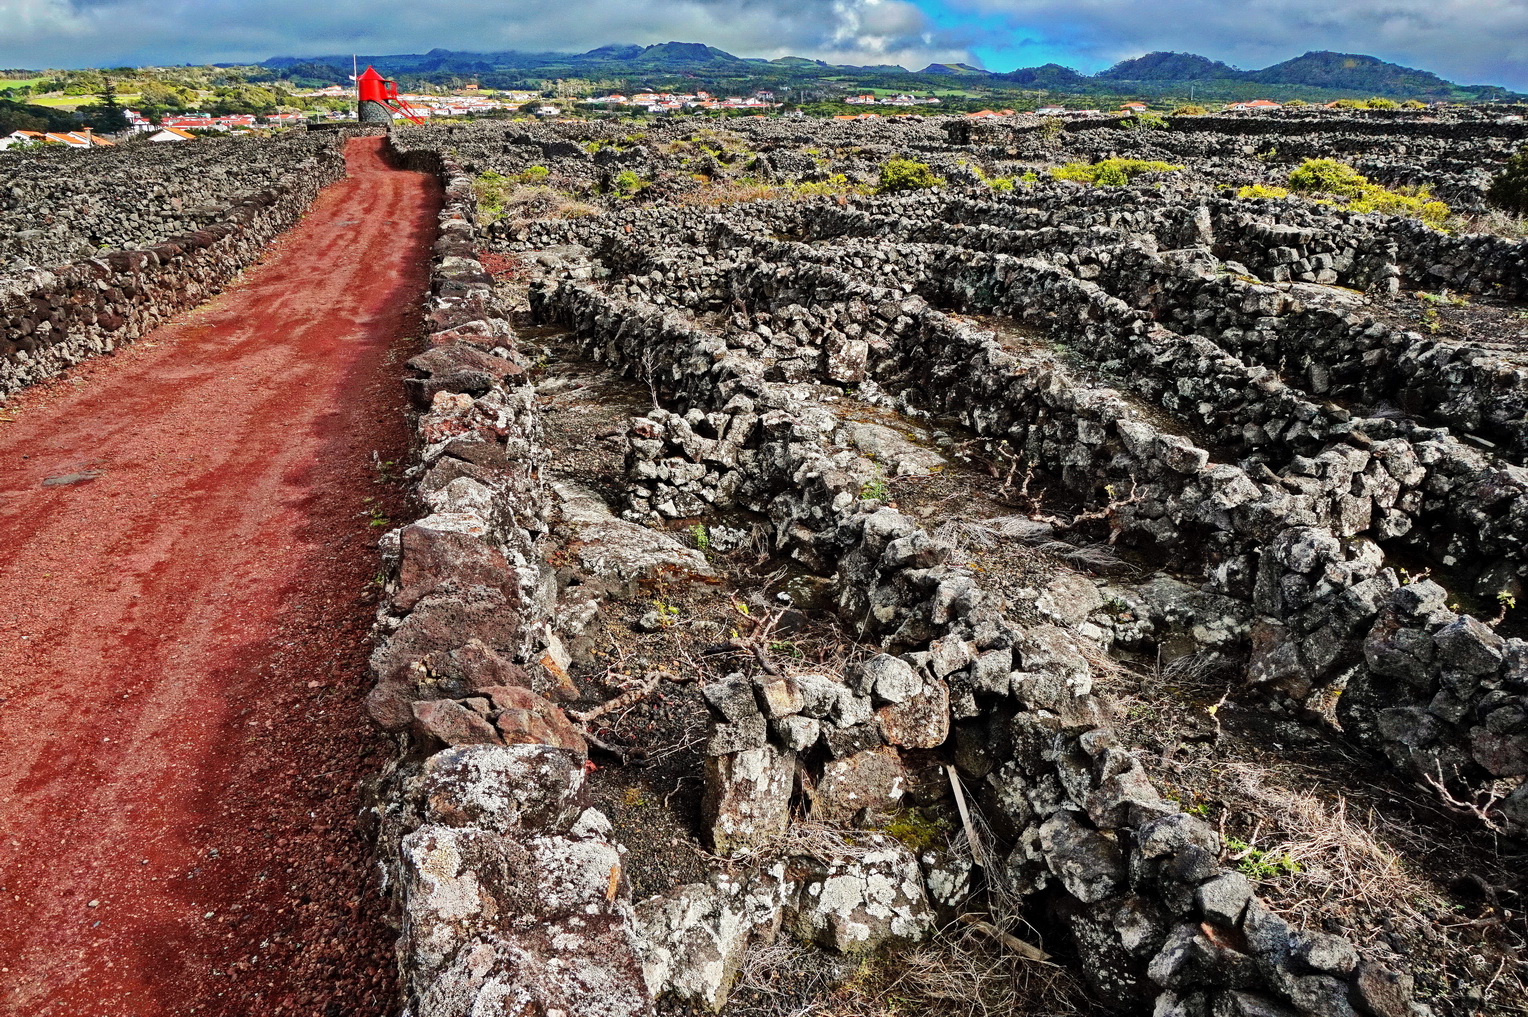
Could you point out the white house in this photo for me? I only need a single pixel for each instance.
(171, 134)
(20, 138)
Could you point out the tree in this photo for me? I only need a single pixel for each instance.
(105, 116)
(1509, 188)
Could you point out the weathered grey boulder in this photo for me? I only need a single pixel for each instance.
(693, 938)
(747, 797)
(860, 900)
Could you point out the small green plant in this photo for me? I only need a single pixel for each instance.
(1258, 864)
(1263, 191)
(1050, 129)
(876, 489)
(1378, 103)
(701, 537)
(918, 830)
(1030, 177)
(1431, 320)
(1110, 172)
(378, 518)
(1188, 110)
(626, 184)
(906, 175)
(1000, 183)
(534, 175)
(668, 613)
(787, 648)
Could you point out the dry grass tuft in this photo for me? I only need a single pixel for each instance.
(958, 973)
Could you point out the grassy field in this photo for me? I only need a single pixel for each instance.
(74, 101)
(18, 82)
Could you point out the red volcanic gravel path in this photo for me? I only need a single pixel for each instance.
(186, 548)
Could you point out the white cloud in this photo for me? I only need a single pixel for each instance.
(42, 33)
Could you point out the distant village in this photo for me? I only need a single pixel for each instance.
(187, 126)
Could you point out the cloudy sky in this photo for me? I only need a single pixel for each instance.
(1470, 41)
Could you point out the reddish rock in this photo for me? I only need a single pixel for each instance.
(446, 720)
(528, 719)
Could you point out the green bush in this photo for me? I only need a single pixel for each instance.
(1327, 176)
(1145, 120)
(626, 183)
(1110, 172)
(906, 175)
(1421, 205)
(1378, 103)
(1509, 188)
(1189, 110)
(1262, 191)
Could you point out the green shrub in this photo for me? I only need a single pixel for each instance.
(1297, 102)
(1262, 191)
(1110, 172)
(1509, 188)
(1378, 103)
(1110, 176)
(1189, 110)
(1421, 205)
(906, 175)
(626, 183)
(1145, 120)
(1352, 104)
(1327, 176)
(1413, 104)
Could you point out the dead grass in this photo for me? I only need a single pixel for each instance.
(1329, 843)
(1492, 220)
(720, 193)
(958, 973)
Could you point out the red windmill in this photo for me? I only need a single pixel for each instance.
(379, 99)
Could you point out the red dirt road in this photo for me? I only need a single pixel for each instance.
(184, 636)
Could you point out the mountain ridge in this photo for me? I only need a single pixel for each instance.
(1158, 72)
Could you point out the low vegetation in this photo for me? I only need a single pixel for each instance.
(1326, 179)
(907, 175)
(1111, 172)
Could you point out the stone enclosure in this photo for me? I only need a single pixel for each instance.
(814, 589)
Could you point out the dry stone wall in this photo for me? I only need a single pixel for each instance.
(1189, 373)
(1136, 881)
(508, 891)
(54, 317)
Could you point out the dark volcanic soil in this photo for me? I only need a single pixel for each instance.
(187, 538)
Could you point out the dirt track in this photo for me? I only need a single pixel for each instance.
(187, 534)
